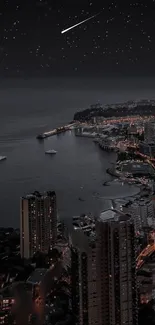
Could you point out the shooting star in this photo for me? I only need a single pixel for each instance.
(82, 22)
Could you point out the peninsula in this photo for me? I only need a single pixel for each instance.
(142, 108)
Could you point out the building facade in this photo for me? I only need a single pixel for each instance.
(116, 269)
(85, 304)
(103, 272)
(149, 132)
(142, 213)
(147, 149)
(38, 223)
(6, 305)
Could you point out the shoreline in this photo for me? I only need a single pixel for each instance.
(111, 172)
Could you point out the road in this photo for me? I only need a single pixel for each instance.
(146, 252)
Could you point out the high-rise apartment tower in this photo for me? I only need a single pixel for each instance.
(38, 223)
(103, 268)
(116, 269)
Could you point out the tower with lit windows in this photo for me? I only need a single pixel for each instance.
(38, 223)
(116, 269)
(149, 132)
(103, 272)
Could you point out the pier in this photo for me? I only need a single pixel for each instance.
(56, 131)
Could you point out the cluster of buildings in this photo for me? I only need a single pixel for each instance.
(96, 267)
(25, 298)
(90, 275)
(102, 286)
(129, 219)
(120, 133)
(147, 148)
(141, 209)
(110, 133)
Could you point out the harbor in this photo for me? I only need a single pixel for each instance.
(56, 131)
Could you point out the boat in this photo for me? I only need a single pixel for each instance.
(3, 158)
(50, 152)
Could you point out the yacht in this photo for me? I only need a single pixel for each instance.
(3, 158)
(50, 152)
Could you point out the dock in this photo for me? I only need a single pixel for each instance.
(56, 131)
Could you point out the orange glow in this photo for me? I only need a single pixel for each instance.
(146, 252)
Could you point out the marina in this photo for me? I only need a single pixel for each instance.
(27, 167)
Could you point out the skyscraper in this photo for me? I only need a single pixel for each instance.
(103, 271)
(85, 304)
(116, 268)
(38, 223)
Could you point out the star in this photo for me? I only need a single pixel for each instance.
(122, 36)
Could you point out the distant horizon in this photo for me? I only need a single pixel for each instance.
(100, 75)
(62, 83)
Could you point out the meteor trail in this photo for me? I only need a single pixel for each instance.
(82, 22)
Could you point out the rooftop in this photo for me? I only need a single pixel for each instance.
(38, 195)
(138, 167)
(109, 214)
(37, 276)
(112, 215)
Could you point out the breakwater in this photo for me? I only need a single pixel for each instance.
(56, 131)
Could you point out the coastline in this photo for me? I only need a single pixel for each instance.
(112, 172)
(142, 107)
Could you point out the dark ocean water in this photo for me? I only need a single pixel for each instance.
(33, 106)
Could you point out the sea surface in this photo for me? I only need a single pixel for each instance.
(29, 107)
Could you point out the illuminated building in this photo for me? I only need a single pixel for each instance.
(135, 212)
(117, 269)
(103, 272)
(149, 132)
(147, 149)
(38, 223)
(142, 212)
(6, 303)
(84, 296)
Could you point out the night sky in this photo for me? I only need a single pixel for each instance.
(120, 40)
